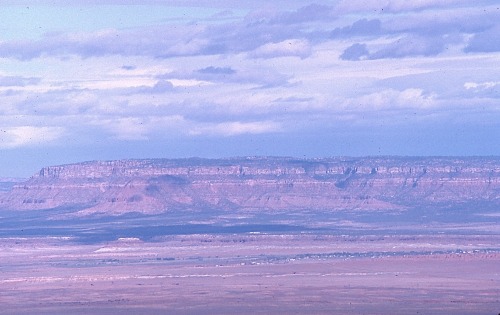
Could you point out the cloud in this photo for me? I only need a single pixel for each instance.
(307, 14)
(236, 128)
(291, 47)
(447, 20)
(361, 27)
(395, 6)
(278, 32)
(247, 35)
(162, 86)
(21, 136)
(158, 41)
(171, 40)
(355, 52)
(406, 46)
(140, 128)
(9, 81)
(212, 74)
(488, 41)
(128, 67)
(127, 128)
(293, 99)
(279, 70)
(483, 85)
(230, 75)
(411, 45)
(391, 99)
(424, 32)
(489, 89)
(217, 70)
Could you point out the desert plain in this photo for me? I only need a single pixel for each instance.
(422, 238)
(371, 272)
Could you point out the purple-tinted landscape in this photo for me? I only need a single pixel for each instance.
(254, 235)
(249, 157)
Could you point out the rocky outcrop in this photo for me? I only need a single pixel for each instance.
(258, 183)
(6, 183)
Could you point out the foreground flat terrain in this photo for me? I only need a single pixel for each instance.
(253, 273)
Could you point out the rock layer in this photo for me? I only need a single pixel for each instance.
(258, 183)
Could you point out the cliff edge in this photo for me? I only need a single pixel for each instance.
(259, 184)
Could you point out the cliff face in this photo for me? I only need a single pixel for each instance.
(269, 184)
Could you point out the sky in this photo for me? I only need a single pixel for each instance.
(103, 80)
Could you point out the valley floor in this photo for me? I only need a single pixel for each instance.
(252, 273)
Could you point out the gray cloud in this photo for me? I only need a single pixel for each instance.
(128, 67)
(11, 81)
(361, 27)
(411, 45)
(229, 75)
(488, 41)
(151, 41)
(159, 42)
(217, 70)
(261, 34)
(247, 36)
(397, 6)
(307, 14)
(355, 52)
(423, 32)
(161, 86)
(204, 78)
(407, 46)
(173, 40)
(449, 20)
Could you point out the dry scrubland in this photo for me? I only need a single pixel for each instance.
(253, 274)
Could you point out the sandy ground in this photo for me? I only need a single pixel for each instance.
(253, 274)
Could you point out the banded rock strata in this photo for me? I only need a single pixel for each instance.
(258, 183)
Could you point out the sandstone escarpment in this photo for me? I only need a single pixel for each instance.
(269, 184)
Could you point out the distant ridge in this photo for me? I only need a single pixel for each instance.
(259, 184)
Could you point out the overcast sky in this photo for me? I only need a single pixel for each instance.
(112, 79)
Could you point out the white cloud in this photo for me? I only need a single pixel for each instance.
(129, 128)
(237, 128)
(114, 84)
(187, 83)
(140, 128)
(392, 99)
(291, 47)
(21, 136)
(480, 86)
(192, 77)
